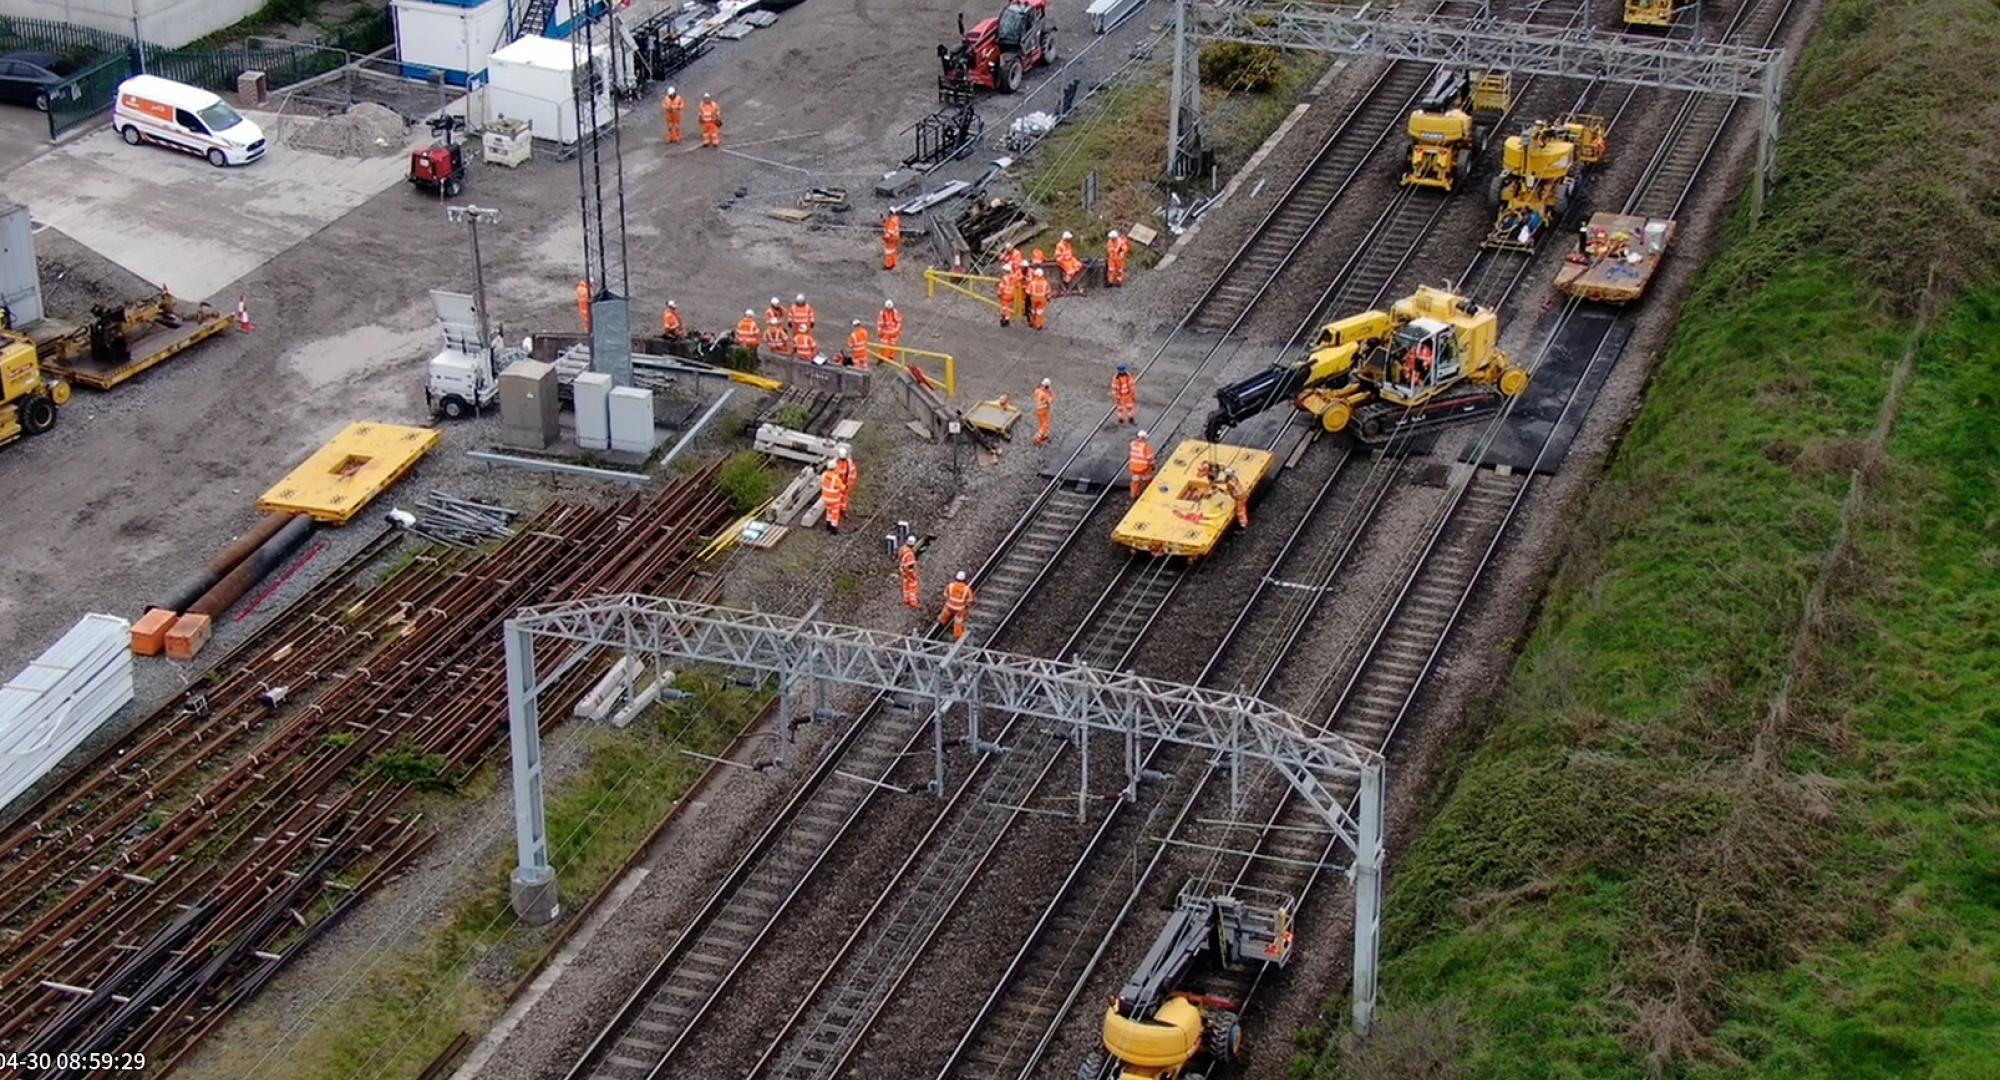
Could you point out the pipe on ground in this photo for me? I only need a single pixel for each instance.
(224, 561)
(268, 557)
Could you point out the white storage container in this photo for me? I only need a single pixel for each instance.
(508, 142)
(592, 391)
(632, 420)
(454, 38)
(532, 79)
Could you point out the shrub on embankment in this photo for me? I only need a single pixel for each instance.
(1739, 812)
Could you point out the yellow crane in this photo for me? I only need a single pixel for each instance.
(1446, 129)
(1432, 358)
(1539, 170)
(28, 398)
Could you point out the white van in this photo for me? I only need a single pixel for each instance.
(186, 118)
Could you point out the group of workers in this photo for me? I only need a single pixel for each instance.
(1025, 279)
(710, 114)
(958, 594)
(786, 330)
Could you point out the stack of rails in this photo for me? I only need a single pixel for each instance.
(180, 872)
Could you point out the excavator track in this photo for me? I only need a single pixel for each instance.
(1378, 422)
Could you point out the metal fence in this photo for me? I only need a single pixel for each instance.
(83, 97)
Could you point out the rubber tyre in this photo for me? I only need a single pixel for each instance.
(1493, 191)
(1009, 77)
(41, 101)
(216, 159)
(453, 186)
(1049, 49)
(130, 134)
(38, 414)
(454, 407)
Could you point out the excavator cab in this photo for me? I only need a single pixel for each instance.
(1423, 356)
(1018, 24)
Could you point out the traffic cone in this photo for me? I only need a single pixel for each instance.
(243, 317)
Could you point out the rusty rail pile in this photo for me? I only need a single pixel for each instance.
(180, 872)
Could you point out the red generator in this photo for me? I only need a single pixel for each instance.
(440, 167)
(997, 53)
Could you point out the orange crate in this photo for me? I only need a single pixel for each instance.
(149, 634)
(189, 634)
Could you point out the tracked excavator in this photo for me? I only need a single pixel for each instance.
(1539, 172)
(1176, 1016)
(1445, 133)
(1433, 358)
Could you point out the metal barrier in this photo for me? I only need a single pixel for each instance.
(86, 96)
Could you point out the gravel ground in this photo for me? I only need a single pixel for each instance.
(329, 335)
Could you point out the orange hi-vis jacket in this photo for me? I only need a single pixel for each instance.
(1038, 291)
(889, 326)
(958, 597)
(802, 317)
(1143, 458)
(711, 113)
(670, 322)
(1045, 399)
(1124, 388)
(857, 346)
(833, 489)
(746, 332)
(892, 230)
(803, 345)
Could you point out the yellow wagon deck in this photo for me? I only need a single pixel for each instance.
(1181, 513)
(1622, 278)
(344, 476)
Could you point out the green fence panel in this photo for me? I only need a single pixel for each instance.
(86, 96)
(79, 43)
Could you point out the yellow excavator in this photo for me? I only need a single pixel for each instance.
(1653, 12)
(1432, 358)
(1176, 1018)
(1539, 171)
(28, 398)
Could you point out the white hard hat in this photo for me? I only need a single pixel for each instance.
(961, 575)
(670, 303)
(670, 91)
(890, 304)
(1114, 234)
(1142, 433)
(750, 312)
(799, 299)
(704, 97)
(1039, 273)
(1067, 235)
(857, 322)
(1045, 382)
(775, 302)
(841, 450)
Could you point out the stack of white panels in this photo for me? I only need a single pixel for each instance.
(57, 701)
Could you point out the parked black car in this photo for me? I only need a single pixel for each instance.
(25, 77)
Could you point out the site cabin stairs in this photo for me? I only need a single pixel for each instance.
(535, 18)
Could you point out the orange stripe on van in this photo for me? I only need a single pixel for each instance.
(150, 108)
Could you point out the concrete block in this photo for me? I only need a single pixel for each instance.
(593, 410)
(631, 411)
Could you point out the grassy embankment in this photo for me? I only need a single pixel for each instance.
(390, 1013)
(1247, 92)
(1738, 813)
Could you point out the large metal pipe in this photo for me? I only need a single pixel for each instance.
(224, 561)
(268, 557)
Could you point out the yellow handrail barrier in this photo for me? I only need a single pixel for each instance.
(935, 279)
(882, 352)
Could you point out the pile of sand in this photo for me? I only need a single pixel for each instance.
(364, 130)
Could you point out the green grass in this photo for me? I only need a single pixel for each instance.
(746, 481)
(1637, 865)
(1122, 135)
(397, 1013)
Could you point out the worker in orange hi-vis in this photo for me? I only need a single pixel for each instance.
(711, 122)
(747, 334)
(850, 473)
(802, 315)
(833, 492)
(857, 344)
(1125, 396)
(804, 347)
(1143, 462)
(1038, 299)
(1014, 262)
(1010, 298)
(671, 326)
(892, 239)
(1241, 495)
(583, 303)
(906, 565)
(1045, 407)
(1117, 251)
(958, 597)
(1072, 267)
(674, 105)
(777, 327)
(889, 328)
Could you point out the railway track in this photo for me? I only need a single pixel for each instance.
(1291, 850)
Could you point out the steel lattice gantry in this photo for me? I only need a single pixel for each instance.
(1376, 29)
(808, 654)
